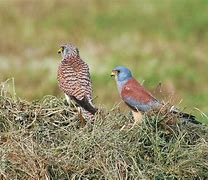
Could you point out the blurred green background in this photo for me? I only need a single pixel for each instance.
(161, 41)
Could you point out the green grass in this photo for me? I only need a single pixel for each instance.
(44, 139)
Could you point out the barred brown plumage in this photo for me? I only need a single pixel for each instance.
(74, 79)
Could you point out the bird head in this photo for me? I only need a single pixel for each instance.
(68, 50)
(121, 73)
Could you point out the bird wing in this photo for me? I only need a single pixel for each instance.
(74, 79)
(84, 80)
(82, 94)
(137, 97)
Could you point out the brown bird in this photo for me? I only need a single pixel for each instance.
(74, 80)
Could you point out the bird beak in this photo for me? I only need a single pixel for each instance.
(113, 73)
(60, 50)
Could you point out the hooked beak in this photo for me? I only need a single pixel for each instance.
(60, 50)
(113, 73)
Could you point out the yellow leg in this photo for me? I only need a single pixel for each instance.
(137, 117)
(81, 118)
(137, 120)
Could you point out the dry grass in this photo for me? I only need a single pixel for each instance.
(159, 40)
(43, 139)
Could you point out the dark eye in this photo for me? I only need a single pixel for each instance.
(77, 51)
(118, 71)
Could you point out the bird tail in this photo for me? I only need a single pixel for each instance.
(87, 115)
(86, 105)
(185, 116)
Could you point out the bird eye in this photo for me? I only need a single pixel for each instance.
(77, 51)
(118, 71)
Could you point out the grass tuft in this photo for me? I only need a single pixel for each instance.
(44, 139)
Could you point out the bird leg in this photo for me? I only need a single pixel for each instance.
(137, 120)
(137, 117)
(81, 118)
(70, 102)
(68, 99)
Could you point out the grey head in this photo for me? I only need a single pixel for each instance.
(121, 73)
(68, 50)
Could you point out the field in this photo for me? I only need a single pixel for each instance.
(161, 41)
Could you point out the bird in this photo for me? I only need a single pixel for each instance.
(140, 100)
(75, 81)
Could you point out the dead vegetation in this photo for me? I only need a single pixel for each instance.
(43, 140)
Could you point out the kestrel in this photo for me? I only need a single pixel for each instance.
(74, 79)
(138, 99)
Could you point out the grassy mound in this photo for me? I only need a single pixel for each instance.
(43, 139)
